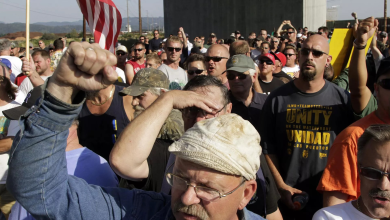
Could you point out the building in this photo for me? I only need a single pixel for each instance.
(222, 17)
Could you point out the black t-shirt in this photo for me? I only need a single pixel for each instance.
(157, 162)
(282, 74)
(299, 129)
(154, 44)
(252, 113)
(268, 87)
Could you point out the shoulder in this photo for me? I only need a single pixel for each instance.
(284, 90)
(333, 212)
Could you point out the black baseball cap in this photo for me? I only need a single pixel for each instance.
(30, 100)
(384, 68)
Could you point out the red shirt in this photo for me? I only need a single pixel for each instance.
(136, 67)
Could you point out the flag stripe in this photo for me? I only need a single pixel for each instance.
(104, 19)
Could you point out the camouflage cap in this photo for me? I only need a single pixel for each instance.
(145, 79)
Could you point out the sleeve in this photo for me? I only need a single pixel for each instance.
(273, 195)
(267, 129)
(371, 106)
(342, 79)
(13, 128)
(320, 215)
(25, 86)
(341, 172)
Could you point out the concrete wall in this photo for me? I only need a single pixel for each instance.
(222, 17)
(314, 14)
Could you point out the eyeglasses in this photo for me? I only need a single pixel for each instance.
(268, 62)
(316, 53)
(319, 32)
(372, 173)
(289, 54)
(202, 192)
(384, 83)
(138, 49)
(177, 49)
(192, 112)
(264, 48)
(214, 59)
(120, 53)
(290, 32)
(156, 33)
(197, 71)
(233, 76)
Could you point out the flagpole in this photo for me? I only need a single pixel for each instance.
(27, 31)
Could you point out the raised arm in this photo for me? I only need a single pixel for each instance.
(129, 73)
(129, 156)
(185, 45)
(29, 66)
(360, 93)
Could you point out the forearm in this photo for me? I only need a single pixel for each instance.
(131, 150)
(184, 39)
(273, 165)
(279, 29)
(38, 155)
(36, 80)
(5, 144)
(334, 198)
(129, 73)
(360, 93)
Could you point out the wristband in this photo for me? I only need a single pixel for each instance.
(358, 47)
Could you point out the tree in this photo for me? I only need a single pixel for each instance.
(48, 36)
(73, 34)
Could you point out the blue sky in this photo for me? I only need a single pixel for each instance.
(68, 10)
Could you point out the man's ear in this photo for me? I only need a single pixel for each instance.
(329, 59)
(164, 90)
(249, 191)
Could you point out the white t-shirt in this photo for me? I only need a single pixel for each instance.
(26, 86)
(16, 64)
(203, 50)
(8, 128)
(177, 77)
(290, 70)
(344, 211)
(121, 74)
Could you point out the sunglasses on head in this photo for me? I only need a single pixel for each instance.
(384, 83)
(316, 53)
(289, 54)
(197, 71)
(233, 76)
(215, 59)
(177, 49)
(266, 61)
(372, 173)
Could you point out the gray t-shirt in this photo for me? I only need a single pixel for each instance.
(177, 77)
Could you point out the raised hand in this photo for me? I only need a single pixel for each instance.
(364, 29)
(28, 66)
(84, 67)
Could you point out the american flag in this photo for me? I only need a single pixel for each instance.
(104, 19)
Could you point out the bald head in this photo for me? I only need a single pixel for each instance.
(218, 48)
(216, 58)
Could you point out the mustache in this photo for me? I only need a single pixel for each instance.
(195, 210)
(380, 193)
(308, 62)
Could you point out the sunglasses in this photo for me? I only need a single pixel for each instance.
(268, 62)
(214, 59)
(233, 76)
(320, 33)
(290, 32)
(138, 49)
(316, 53)
(177, 49)
(373, 174)
(265, 48)
(289, 54)
(120, 54)
(197, 71)
(384, 83)
(275, 41)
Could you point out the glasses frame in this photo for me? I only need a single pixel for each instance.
(376, 170)
(268, 62)
(313, 51)
(197, 72)
(214, 59)
(221, 195)
(241, 76)
(289, 54)
(171, 49)
(139, 49)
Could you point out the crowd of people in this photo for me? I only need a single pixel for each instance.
(196, 128)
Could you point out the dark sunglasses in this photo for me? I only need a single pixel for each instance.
(289, 54)
(214, 59)
(316, 53)
(290, 32)
(268, 62)
(120, 54)
(232, 76)
(320, 33)
(138, 49)
(373, 174)
(384, 83)
(170, 49)
(197, 71)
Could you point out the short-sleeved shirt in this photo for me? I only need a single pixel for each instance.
(299, 129)
(342, 173)
(55, 60)
(344, 211)
(154, 44)
(291, 70)
(177, 77)
(268, 87)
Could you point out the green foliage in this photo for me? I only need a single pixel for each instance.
(48, 36)
(73, 34)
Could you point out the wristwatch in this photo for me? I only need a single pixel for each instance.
(357, 47)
